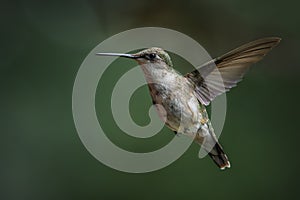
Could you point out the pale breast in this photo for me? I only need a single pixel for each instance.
(174, 93)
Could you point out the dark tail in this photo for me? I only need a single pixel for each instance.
(219, 157)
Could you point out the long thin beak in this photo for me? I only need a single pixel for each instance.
(117, 54)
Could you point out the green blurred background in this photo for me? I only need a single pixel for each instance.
(44, 43)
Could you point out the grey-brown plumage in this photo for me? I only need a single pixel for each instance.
(181, 100)
(232, 66)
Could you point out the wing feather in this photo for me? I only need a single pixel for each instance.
(223, 73)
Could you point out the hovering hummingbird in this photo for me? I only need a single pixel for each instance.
(183, 98)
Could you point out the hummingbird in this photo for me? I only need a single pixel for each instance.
(181, 100)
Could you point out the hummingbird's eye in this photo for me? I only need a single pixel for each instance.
(152, 56)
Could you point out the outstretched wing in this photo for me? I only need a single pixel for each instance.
(219, 75)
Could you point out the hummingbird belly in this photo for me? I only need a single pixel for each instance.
(176, 104)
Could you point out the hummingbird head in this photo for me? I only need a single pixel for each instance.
(152, 55)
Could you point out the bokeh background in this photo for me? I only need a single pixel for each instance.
(43, 43)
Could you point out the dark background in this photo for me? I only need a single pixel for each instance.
(44, 43)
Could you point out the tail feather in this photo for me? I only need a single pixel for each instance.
(219, 157)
